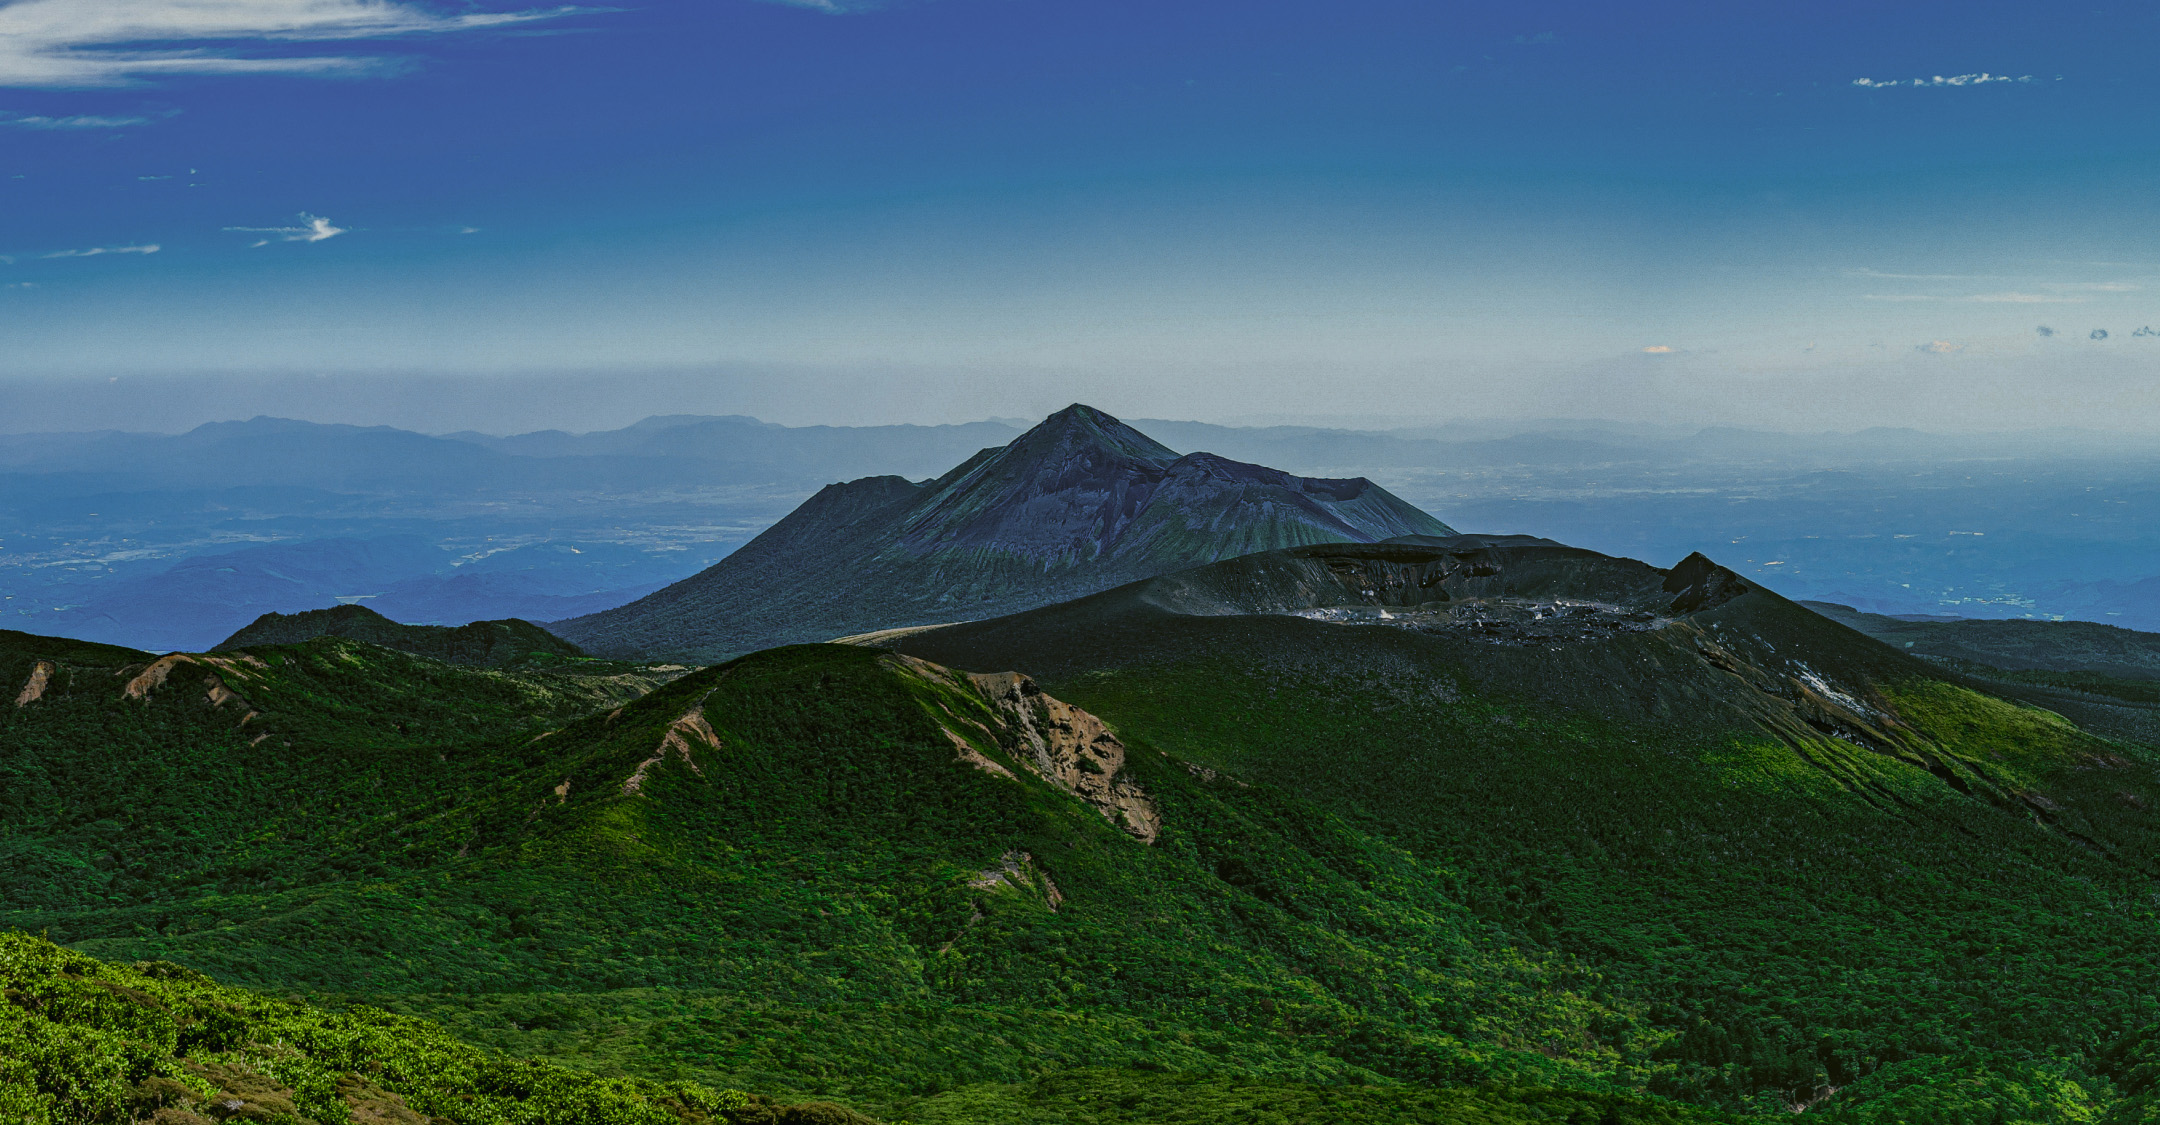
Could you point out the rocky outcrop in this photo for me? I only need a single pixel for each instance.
(34, 689)
(1061, 744)
(681, 734)
(1072, 750)
(1017, 870)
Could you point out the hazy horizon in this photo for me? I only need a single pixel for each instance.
(1797, 217)
(579, 403)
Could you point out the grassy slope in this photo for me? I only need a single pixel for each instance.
(2105, 679)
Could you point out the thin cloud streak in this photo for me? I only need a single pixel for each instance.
(70, 43)
(316, 229)
(1981, 79)
(80, 121)
(146, 248)
(1864, 271)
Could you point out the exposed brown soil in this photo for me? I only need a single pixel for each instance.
(1056, 741)
(153, 677)
(34, 689)
(680, 734)
(1072, 750)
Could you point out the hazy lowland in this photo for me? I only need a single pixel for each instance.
(1170, 774)
(175, 541)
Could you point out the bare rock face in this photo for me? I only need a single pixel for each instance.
(1055, 741)
(1072, 750)
(34, 689)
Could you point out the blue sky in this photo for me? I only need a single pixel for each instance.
(1799, 214)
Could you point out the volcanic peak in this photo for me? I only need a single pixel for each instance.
(1080, 503)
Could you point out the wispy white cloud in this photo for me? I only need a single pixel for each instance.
(94, 251)
(1864, 271)
(316, 229)
(1981, 79)
(79, 121)
(1982, 298)
(2090, 286)
(77, 43)
(834, 7)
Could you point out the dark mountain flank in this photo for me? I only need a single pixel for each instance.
(1078, 504)
(486, 644)
(2018, 646)
(2105, 679)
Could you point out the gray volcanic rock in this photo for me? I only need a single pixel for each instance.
(1078, 504)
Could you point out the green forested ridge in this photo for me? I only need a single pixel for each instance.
(808, 910)
(1397, 876)
(127, 778)
(488, 644)
(1964, 897)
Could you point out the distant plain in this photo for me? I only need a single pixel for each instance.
(175, 541)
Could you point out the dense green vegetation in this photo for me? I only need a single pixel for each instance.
(806, 912)
(85, 1042)
(1744, 863)
(130, 778)
(487, 644)
(1801, 915)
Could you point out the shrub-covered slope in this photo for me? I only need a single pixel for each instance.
(487, 644)
(1450, 830)
(128, 777)
(832, 870)
(84, 1042)
(1831, 874)
(1080, 503)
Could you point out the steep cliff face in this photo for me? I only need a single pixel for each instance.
(1078, 504)
(1031, 732)
(1072, 750)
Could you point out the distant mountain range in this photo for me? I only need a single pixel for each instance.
(1080, 503)
(670, 451)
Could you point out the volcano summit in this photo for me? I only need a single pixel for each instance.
(1080, 503)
